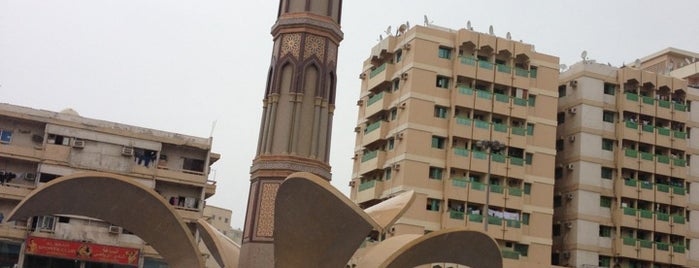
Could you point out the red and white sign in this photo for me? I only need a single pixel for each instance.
(82, 251)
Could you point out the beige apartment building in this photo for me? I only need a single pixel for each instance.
(428, 96)
(627, 167)
(38, 146)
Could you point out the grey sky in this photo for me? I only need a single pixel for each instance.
(180, 65)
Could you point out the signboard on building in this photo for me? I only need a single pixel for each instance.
(81, 251)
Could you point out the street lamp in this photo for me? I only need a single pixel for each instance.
(491, 146)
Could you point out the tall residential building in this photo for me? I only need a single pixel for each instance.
(298, 106)
(627, 166)
(38, 146)
(428, 96)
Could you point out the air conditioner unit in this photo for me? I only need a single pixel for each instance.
(362, 76)
(115, 229)
(354, 157)
(403, 105)
(29, 176)
(399, 136)
(571, 166)
(404, 76)
(351, 183)
(392, 230)
(571, 138)
(570, 196)
(406, 46)
(360, 102)
(396, 166)
(127, 151)
(573, 110)
(573, 83)
(357, 129)
(78, 143)
(566, 255)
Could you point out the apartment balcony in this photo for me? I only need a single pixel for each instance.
(645, 219)
(381, 74)
(483, 100)
(630, 102)
(646, 190)
(485, 71)
(58, 153)
(662, 252)
(629, 217)
(679, 167)
(662, 193)
(647, 105)
(377, 103)
(501, 105)
(647, 162)
(474, 222)
(627, 247)
(518, 137)
(375, 131)
(500, 132)
(679, 112)
(457, 189)
(15, 191)
(176, 175)
(522, 78)
(10, 150)
(514, 198)
(503, 74)
(664, 109)
(9, 230)
(630, 188)
(479, 161)
(516, 166)
(476, 192)
(679, 196)
(662, 223)
(371, 161)
(630, 158)
(369, 190)
(188, 214)
(519, 107)
(453, 219)
(662, 165)
(647, 133)
(679, 225)
(460, 158)
(662, 137)
(498, 164)
(497, 195)
(467, 66)
(645, 250)
(630, 130)
(462, 127)
(679, 140)
(464, 96)
(679, 255)
(495, 226)
(513, 230)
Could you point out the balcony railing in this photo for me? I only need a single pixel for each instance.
(646, 214)
(631, 96)
(648, 100)
(373, 126)
(679, 162)
(480, 155)
(663, 159)
(475, 217)
(468, 60)
(680, 107)
(662, 187)
(494, 220)
(662, 246)
(461, 152)
(485, 64)
(645, 243)
(524, 73)
(457, 215)
(502, 98)
(465, 90)
(629, 211)
(647, 128)
(497, 158)
(679, 134)
(519, 131)
(482, 124)
(370, 155)
(513, 223)
(459, 182)
(629, 241)
(500, 127)
(516, 161)
(484, 94)
(496, 189)
(678, 219)
(463, 121)
(646, 185)
(477, 186)
(678, 248)
(519, 101)
(647, 156)
(632, 125)
(678, 190)
(374, 98)
(664, 103)
(630, 182)
(631, 153)
(509, 254)
(664, 131)
(533, 73)
(378, 70)
(514, 191)
(662, 216)
(504, 68)
(366, 185)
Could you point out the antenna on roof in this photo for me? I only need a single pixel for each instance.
(508, 36)
(380, 37)
(490, 30)
(583, 55)
(388, 31)
(407, 24)
(427, 21)
(468, 26)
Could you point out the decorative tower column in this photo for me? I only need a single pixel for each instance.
(297, 114)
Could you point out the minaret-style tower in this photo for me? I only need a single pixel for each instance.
(297, 114)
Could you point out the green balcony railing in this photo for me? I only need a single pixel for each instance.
(502, 98)
(504, 68)
(662, 187)
(485, 64)
(468, 60)
(523, 73)
(477, 186)
(519, 131)
(513, 223)
(664, 103)
(678, 219)
(457, 215)
(629, 211)
(629, 241)
(463, 121)
(533, 73)
(646, 185)
(678, 248)
(496, 189)
(514, 191)
(494, 220)
(374, 99)
(680, 107)
(679, 134)
(500, 127)
(679, 162)
(646, 214)
(509, 254)
(465, 90)
(370, 155)
(484, 94)
(519, 101)
(632, 125)
(516, 161)
(630, 182)
(662, 246)
(662, 216)
(663, 159)
(648, 128)
(373, 126)
(480, 155)
(648, 100)
(678, 190)
(631, 96)
(645, 243)
(461, 152)
(378, 70)
(497, 158)
(664, 131)
(366, 185)
(459, 182)
(475, 217)
(482, 124)
(631, 153)
(647, 156)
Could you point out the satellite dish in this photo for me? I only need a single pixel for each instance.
(490, 30)
(637, 63)
(468, 26)
(388, 30)
(401, 29)
(687, 60)
(509, 36)
(583, 55)
(380, 37)
(563, 67)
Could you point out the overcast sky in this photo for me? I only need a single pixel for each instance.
(181, 65)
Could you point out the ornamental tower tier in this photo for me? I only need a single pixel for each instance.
(297, 114)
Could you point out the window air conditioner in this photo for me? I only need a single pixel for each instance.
(362, 76)
(127, 151)
(404, 76)
(573, 83)
(571, 166)
(351, 183)
(78, 143)
(573, 110)
(571, 138)
(115, 229)
(406, 46)
(29, 176)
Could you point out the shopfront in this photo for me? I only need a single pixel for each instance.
(54, 253)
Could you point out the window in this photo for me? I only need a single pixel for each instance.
(561, 91)
(608, 116)
(445, 52)
(525, 218)
(557, 201)
(399, 55)
(58, 139)
(44, 223)
(605, 231)
(387, 174)
(522, 249)
(5, 136)
(556, 230)
(394, 114)
(528, 158)
(440, 111)
(391, 143)
(604, 261)
(532, 100)
(607, 144)
(530, 129)
(432, 204)
(609, 89)
(442, 81)
(607, 173)
(193, 164)
(558, 173)
(438, 142)
(559, 145)
(527, 188)
(605, 201)
(396, 84)
(436, 173)
(561, 117)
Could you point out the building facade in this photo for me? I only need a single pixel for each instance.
(430, 97)
(627, 164)
(38, 146)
